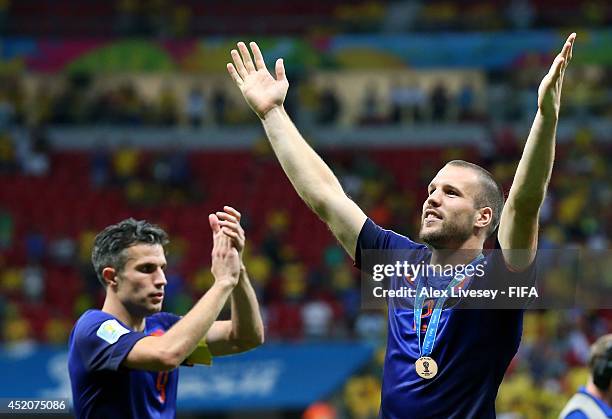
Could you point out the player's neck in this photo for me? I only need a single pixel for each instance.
(114, 307)
(601, 395)
(464, 254)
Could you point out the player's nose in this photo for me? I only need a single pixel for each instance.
(159, 279)
(433, 200)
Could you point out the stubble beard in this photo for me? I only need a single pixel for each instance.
(447, 235)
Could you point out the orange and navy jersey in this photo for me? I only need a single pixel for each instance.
(101, 387)
(473, 347)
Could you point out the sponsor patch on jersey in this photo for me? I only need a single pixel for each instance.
(111, 331)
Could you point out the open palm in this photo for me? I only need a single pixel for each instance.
(549, 92)
(261, 91)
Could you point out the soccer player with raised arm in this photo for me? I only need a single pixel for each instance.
(465, 205)
(123, 360)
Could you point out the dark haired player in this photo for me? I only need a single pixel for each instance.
(472, 348)
(123, 359)
(594, 401)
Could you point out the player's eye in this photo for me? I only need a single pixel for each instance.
(452, 192)
(147, 269)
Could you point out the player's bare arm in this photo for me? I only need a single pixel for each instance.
(168, 351)
(245, 330)
(519, 220)
(311, 177)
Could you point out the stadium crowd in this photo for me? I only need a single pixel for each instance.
(165, 18)
(504, 96)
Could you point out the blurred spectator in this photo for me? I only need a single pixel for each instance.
(219, 102)
(7, 154)
(11, 281)
(62, 251)
(69, 105)
(180, 21)
(594, 12)
(407, 103)
(7, 111)
(293, 282)
(32, 153)
(521, 14)
(370, 108)
(196, 107)
(127, 19)
(126, 162)
(594, 399)
(57, 331)
(362, 397)
(277, 223)
(371, 326)
(16, 330)
(347, 293)
(465, 103)
(317, 318)
(100, 168)
(168, 106)
(260, 270)
(329, 108)
(401, 16)
(6, 229)
(35, 245)
(439, 103)
(33, 283)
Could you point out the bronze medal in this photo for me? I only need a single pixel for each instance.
(426, 367)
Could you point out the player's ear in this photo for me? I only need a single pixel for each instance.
(483, 217)
(110, 276)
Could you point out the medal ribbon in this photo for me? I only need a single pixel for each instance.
(434, 322)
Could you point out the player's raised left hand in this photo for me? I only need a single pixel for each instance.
(229, 221)
(261, 91)
(226, 262)
(549, 92)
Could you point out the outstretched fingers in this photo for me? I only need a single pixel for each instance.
(238, 64)
(234, 74)
(568, 50)
(260, 64)
(557, 67)
(571, 40)
(566, 54)
(280, 70)
(246, 57)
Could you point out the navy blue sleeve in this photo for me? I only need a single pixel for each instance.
(103, 342)
(373, 237)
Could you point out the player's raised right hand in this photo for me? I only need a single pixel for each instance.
(261, 91)
(225, 258)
